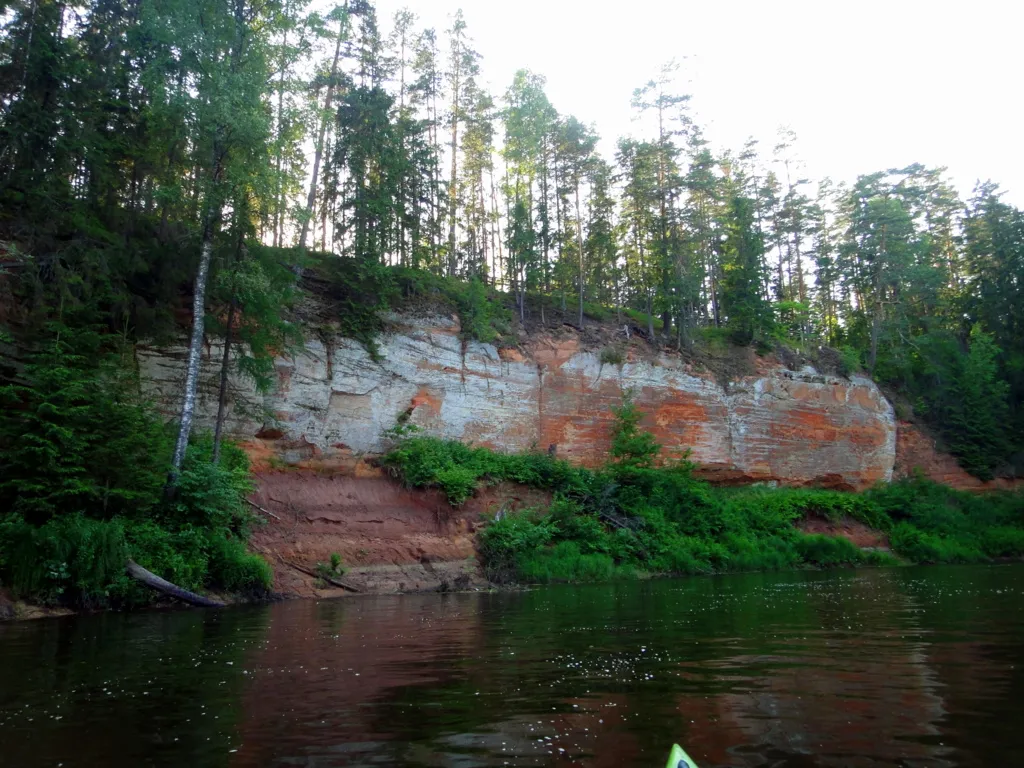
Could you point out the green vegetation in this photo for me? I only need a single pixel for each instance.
(175, 167)
(634, 516)
(194, 155)
(612, 356)
(330, 570)
(83, 466)
(359, 293)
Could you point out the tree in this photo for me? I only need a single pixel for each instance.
(576, 144)
(601, 247)
(462, 66)
(638, 166)
(670, 110)
(341, 15)
(229, 53)
(746, 312)
(528, 120)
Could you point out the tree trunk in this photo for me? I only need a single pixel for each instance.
(579, 241)
(195, 349)
(318, 155)
(453, 185)
(223, 395)
(499, 269)
(153, 581)
(279, 192)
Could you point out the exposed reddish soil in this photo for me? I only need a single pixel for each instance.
(390, 538)
(916, 451)
(858, 533)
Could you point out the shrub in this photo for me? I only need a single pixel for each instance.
(564, 562)
(632, 446)
(827, 551)
(457, 469)
(631, 516)
(612, 356)
(234, 568)
(83, 462)
(74, 436)
(503, 541)
(67, 559)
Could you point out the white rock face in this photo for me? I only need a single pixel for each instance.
(793, 427)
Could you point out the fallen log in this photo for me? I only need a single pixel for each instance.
(261, 509)
(315, 575)
(154, 582)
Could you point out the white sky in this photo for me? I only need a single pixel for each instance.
(865, 84)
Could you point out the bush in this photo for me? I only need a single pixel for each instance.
(74, 435)
(564, 562)
(68, 559)
(503, 542)
(612, 356)
(234, 568)
(828, 551)
(632, 516)
(83, 463)
(457, 469)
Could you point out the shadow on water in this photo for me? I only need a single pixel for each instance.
(911, 667)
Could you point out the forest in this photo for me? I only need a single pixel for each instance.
(171, 168)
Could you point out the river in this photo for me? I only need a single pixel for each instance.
(894, 667)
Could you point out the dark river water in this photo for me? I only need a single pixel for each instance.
(896, 667)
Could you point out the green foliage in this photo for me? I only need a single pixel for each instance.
(632, 517)
(612, 355)
(477, 311)
(330, 570)
(504, 541)
(260, 287)
(208, 494)
(565, 562)
(962, 393)
(642, 318)
(71, 427)
(631, 446)
(83, 462)
(359, 291)
(748, 314)
(935, 524)
(457, 469)
(828, 551)
(71, 557)
(850, 360)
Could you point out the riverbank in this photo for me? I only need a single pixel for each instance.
(436, 516)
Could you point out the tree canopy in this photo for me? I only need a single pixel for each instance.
(148, 147)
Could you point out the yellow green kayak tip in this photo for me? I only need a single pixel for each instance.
(677, 758)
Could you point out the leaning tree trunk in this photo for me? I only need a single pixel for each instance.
(154, 582)
(195, 349)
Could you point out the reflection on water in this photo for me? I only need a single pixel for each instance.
(907, 667)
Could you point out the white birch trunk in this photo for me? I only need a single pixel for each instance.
(195, 348)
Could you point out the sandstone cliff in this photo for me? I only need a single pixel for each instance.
(333, 402)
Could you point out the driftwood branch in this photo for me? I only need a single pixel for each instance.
(261, 509)
(315, 575)
(153, 581)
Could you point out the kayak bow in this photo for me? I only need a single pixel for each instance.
(677, 758)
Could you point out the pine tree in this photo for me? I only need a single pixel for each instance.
(746, 312)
